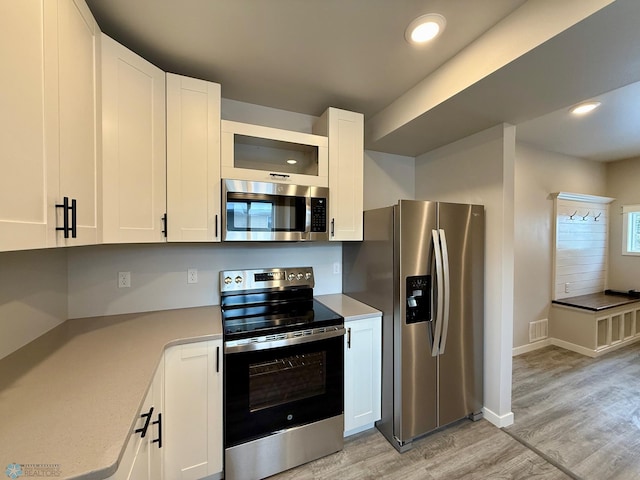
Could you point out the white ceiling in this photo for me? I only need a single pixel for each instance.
(306, 55)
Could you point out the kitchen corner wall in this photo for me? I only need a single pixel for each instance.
(159, 273)
(623, 178)
(33, 295)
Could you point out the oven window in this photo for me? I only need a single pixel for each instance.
(284, 380)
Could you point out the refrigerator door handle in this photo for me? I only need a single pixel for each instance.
(445, 286)
(437, 252)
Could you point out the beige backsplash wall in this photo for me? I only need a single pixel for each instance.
(623, 184)
(33, 295)
(537, 174)
(159, 273)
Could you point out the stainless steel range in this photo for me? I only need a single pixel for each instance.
(284, 359)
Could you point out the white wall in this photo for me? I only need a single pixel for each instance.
(387, 179)
(159, 273)
(623, 180)
(538, 174)
(479, 169)
(33, 295)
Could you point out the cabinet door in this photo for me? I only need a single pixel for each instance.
(362, 378)
(346, 171)
(134, 146)
(193, 159)
(78, 117)
(193, 410)
(23, 184)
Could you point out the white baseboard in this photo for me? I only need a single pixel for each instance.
(570, 346)
(362, 428)
(532, 346)
(498, 420)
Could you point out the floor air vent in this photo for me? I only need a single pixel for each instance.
(538, 330)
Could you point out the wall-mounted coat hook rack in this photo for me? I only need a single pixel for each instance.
(587, 215)
(573, 215)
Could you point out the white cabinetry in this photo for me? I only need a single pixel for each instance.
(134, 146)
(346, 171)
(255, 152)
(193, 408)
(142, 459)
(362, 373)
(48, 123)
(193, 159)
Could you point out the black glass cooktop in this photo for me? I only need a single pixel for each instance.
(266, 318)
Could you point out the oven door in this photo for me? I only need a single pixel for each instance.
(272, 389)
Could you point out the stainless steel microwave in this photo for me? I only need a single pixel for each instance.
(263, 211)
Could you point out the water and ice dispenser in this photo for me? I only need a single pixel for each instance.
(418, 291)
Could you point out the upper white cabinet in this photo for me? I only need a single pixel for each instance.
(266, 154)
(193, 406)
(49, 123)
(193, 160)
(362, 373)
(78, 118)
(345, 131)
(134, 146)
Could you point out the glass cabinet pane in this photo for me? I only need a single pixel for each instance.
(274, 155)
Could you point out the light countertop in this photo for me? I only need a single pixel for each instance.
(347, 307)
(71, 397)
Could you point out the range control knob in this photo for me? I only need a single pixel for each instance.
(307, 275)
(291, 277)
(227, 280)
(238, 279)
(299, 276)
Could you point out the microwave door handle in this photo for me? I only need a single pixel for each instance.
(435, 348)
(447, 289)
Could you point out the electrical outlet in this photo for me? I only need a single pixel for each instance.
(567, 287)
(124, 279)
(192, 275)
(336, 268)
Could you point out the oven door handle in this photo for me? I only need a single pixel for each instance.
(285, 342)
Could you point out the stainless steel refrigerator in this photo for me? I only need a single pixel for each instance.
(422, 264)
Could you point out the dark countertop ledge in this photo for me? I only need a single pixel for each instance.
(596, 302)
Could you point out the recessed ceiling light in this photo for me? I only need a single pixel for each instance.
(425, 28)
(291, 161)
(585, 107)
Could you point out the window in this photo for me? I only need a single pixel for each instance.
(631, 230)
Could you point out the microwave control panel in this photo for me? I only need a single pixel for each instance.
(318, 214)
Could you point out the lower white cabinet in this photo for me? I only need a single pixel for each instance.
(181, 417)
(142, 458)
(192, 445)
(362, 373)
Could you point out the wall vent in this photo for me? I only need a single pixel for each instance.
(538, 330)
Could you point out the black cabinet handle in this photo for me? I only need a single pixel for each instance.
(65, 217)
(74, 222)
(333, 220)
(144, 428)
(216, 226)
(165, 225)
(159, 423)
(348, 337)
(281, 175)
(217, 359)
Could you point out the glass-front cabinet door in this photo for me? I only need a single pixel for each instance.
(254, 152)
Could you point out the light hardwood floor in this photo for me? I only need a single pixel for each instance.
(467, 450)
(583, 413)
